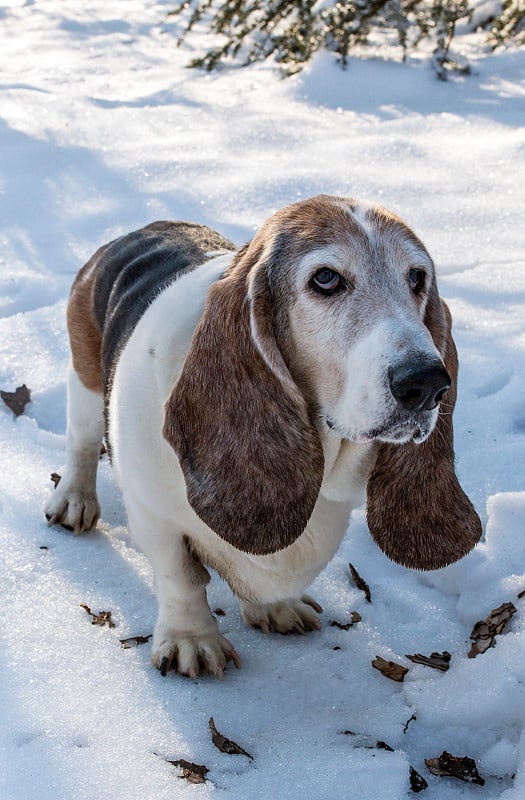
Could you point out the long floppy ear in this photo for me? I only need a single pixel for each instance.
(417, 512)
(250, 453)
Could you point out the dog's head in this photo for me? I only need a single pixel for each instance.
(329, 317)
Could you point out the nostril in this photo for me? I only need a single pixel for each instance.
(409, 395)
(441, 394)
(420, 387)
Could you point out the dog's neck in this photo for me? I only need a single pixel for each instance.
(347, 466)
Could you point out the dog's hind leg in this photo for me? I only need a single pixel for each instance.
(74, 502)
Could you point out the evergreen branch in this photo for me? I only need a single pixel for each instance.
(291, 31)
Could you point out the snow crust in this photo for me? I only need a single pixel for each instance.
(102, 130)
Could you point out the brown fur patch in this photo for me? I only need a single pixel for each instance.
(251, 455)
(417, 512)
(312, 223)
(84, 334)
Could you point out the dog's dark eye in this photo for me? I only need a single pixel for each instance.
(416, 280)
(326, 281)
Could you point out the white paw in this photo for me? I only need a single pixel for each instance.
(192, 654)
(297, 615)
(75, 508)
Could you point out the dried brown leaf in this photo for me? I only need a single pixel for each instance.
(435, 660)
(193, 773)
(103, 618)
(17, 400)
(360, 583)
(384, 746)
(225, 745)
(345, 626)
(134, 641)
(417, 781)
(449, 766)
(485, 631)
(396, 672)
(56, 478)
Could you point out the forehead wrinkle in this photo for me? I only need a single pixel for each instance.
(377, 222)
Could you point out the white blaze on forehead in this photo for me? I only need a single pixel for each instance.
(376, 221)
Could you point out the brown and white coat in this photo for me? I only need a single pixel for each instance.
(252, 398)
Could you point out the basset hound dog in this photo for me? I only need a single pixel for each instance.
(251, 398)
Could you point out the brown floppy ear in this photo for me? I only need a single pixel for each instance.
(250, 453)
(417, 512)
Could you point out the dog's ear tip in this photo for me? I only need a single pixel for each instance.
(427, 541)
(257, 528)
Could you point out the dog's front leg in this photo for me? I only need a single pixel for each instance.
(186, 637)
(295, 615)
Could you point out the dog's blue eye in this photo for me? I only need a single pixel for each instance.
(416, 280)
(326, 281)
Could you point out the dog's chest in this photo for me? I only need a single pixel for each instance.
(347, 466)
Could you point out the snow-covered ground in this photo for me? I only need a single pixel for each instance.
(102, 130)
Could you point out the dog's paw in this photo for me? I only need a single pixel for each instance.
(193, 654)
(297, 615)
(74, 508)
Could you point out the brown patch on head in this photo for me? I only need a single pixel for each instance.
(251, 455)
(84, 333)
(309, 224)
(417, 512)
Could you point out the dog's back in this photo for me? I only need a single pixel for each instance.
(114, 288)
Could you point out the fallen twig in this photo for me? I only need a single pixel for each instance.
(360, 583)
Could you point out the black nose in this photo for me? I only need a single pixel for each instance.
(420, 387)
